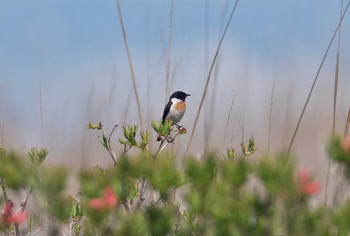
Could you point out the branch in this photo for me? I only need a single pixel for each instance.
(24, 202)
(3, 187)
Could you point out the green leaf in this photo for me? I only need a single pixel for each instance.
(145, 139)
(97, 126)
(37, 156)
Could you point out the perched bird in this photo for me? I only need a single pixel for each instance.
(176, 107)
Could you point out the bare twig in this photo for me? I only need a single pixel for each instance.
(130, 64)
(108, 146)
(143, 188)
(25, 201)
(209, 76)
(3, 187)
(162, 146)
(17, 231)
(35, 232)
(126, 205)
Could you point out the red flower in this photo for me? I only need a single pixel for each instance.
(8, 216)
(345, 144)
(109, 200)
(306, 184)
(17, 217)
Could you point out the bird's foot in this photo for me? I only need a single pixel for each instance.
(181, 129)
(170, 140)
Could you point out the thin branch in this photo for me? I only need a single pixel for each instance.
(143, 188)
(108, 147)
(17, 231)
(316, 77)
(3, 187)
(162, 147)
(35, 232)
(130, 64)
(25, 201)
(22, 208)
(127, 207)
(209, 76)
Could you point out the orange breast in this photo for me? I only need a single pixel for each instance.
(180, 106)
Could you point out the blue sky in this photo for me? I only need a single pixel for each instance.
(73, 52)
(50, 33)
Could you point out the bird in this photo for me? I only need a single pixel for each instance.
(175, 108)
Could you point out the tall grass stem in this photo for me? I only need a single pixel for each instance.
(227, 123)
(130, 64)
(316, 78)
(170, 42)
(270, 116)
(338, 177)
(347, 125)
(209, 76)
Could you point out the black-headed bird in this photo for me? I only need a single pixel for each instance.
(176, 107)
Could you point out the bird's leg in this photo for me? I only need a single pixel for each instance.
(179, 127)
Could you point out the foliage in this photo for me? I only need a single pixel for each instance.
(146, 193)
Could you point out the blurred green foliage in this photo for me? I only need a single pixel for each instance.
(234, 195)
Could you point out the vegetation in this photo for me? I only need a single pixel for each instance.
(146, 193)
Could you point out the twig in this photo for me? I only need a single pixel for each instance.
(160, 199)
(24, 202)
(17, 231)
(108, 144)
(3, 187)
(127, 207)
(209, 76)
(21, 209)
(143, 188)
(130, 64)
(35, 232)
(162, 147)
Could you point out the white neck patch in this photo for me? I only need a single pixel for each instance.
(175, 100)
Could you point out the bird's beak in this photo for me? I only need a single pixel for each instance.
(187, 95)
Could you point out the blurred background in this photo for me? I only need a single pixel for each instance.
(64, 64)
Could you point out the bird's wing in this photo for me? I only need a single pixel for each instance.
(166, 110)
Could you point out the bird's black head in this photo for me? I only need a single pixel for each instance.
(180, 95)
